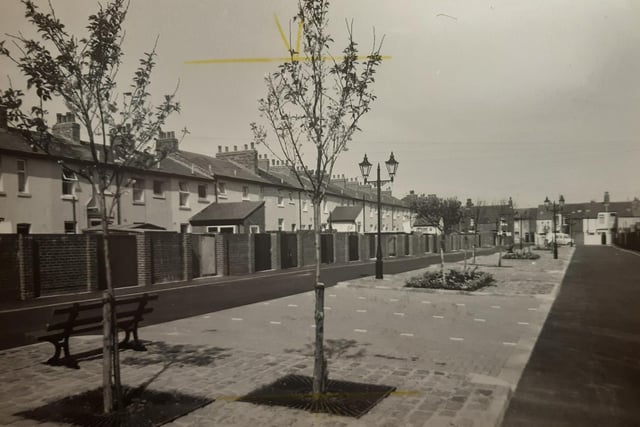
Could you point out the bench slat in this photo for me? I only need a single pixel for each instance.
(96, 319)
(95, 305)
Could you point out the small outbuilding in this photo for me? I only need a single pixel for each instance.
(233, 218)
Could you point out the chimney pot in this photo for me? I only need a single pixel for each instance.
(219, 148)
(226, 148)
(235, 148)
(246, 147)
(252, 145)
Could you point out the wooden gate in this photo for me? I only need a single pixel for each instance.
(262, 249)
(354, 247)
(203, 250)
(288, 250)
(123, 261)
(372, 245)
(326, 248)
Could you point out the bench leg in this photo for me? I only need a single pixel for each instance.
(67, 360)
(133, 345)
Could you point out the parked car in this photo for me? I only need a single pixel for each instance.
(561, 239)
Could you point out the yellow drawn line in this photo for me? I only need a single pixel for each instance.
(284, 39)
(280, 59)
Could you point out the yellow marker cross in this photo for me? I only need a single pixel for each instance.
(295, 57)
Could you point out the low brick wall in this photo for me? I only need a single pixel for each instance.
(306, 248)
(10, 277)
(241, 254)
(63, 263)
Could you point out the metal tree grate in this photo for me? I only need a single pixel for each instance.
(344, 398)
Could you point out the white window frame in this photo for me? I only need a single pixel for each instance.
(183, 191)
(280, 224)
(325, 207)
(245, 192)
(159, 195)
(22, 171)
(70, 179)
(280, 200)
(222, 190)
(206, 193)
(137, 191)
(219, 228)
(305, 206)
(253, 229)
(291, 201)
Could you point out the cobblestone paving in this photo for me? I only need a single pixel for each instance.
(446, 353)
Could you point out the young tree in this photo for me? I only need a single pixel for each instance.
(82, 72)
(445, 214)
(474, 213)
(313, 105)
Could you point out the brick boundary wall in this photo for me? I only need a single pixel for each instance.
(144, 261)
(167, 256)
(241, 254)
(9, 268)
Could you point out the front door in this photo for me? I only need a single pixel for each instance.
(603, 238)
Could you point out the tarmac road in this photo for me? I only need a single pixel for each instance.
(585, 366)
(20, 323)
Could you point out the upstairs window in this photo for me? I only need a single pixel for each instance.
(158, 188)
(202, 191)
(245, 192)
(22, 176)
(183, 188)
(222, 189)
(280, 224)
(280, 198)
(138, 191)
(69, 180)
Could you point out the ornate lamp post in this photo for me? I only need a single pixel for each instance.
(555, 208)
(365, 168)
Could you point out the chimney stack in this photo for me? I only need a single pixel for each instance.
(167, 142)
(247, 158)
(66, 127)
(263, 162)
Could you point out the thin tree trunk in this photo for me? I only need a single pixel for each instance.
(319, 363)
(444, 277)
(110, 359)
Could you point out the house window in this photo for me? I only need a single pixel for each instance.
(280, 198)
(184, 228)
(222, 189)
(245, 192)
(183, 188)
(291, 202)
(68, 183)
(324, 207)
(69, 227)
(158, 188)
(262, 192)
(138, 191)
(305, 206)
(371, 212)
(293, 227)
(202, 191)
(280, 224)
(22, 176)
(253, 229)
(222, 229)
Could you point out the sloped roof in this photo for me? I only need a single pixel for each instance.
(223, 168)
(345, 213)
(422, 222)
(234, 211)
(591, 209)
(63, 149)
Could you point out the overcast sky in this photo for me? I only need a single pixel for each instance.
(481, 99)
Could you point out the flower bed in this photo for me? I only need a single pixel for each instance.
(521, 255)
(465, 280)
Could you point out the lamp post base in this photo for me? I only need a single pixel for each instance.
(379, 269)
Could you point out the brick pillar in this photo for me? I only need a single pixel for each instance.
(145, 259)
(275, 252)
(91, 262)
(187, 257)
(25, 267)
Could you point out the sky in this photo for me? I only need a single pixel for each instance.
(480, 99)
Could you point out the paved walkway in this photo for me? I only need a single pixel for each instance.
(454, 358)
(585, 368)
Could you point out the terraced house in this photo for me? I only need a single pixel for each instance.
(233, 191)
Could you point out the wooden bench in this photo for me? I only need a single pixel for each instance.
(84, 318)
